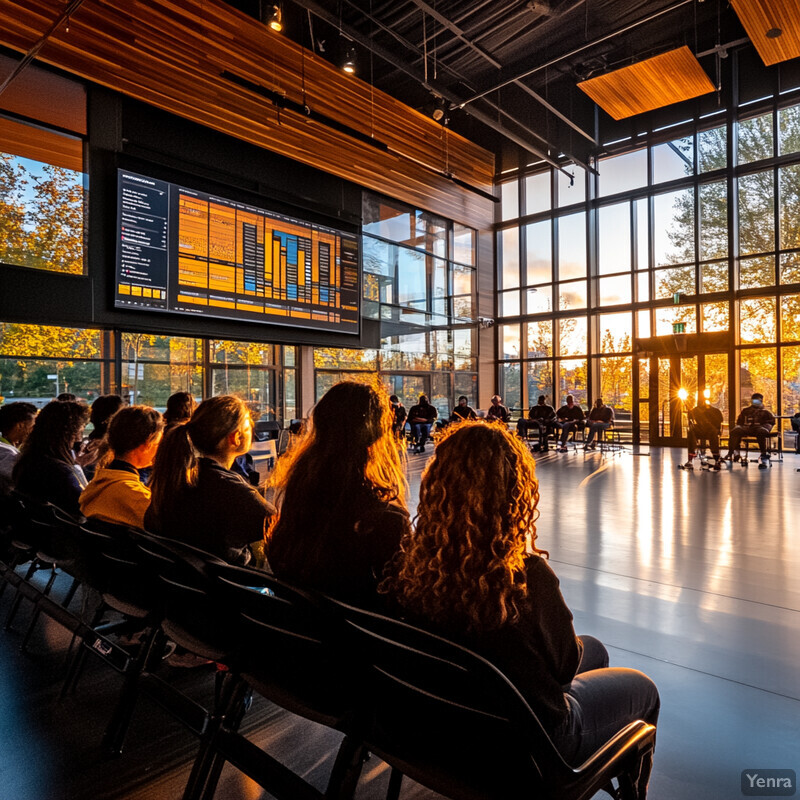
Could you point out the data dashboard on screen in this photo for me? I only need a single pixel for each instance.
(189, 252)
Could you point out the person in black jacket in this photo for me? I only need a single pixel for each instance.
(568, 418)
(755, 420)
(462, 411)
(601, 418)
(399, 416)
(705, 423)
(540, 417)
(341, 492)
(199, 499)
(497, 412)
(472, 572)
(46, 469)
(421, 419)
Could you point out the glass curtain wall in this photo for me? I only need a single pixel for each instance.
(37, 362)
(699, 229)
(419, 283)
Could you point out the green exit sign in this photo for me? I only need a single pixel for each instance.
(679, 327)
(676, 298)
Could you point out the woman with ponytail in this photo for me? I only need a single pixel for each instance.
(196, 498)
(341, 491)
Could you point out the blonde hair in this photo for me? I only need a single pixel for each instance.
(463, 566)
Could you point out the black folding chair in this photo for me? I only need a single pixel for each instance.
(290, 652)
(451, 721)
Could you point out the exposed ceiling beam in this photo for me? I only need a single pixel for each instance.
(454, 29)
(434, 88)
(576, 51)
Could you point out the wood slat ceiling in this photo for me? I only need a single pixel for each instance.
(41, 145)
(760, 17)
(172, 55)
(654, 83)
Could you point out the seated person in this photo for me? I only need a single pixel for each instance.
(16, 423)
(399, 416)
(754, 420)
(103, 408)
(471, 571)
(705, 424)
(541, 418)
(116, 493)
(180, 407)
(341, 493)
(497, 412)
(601, 418)
(462, 411)
(569, 418)
(198, 499)
(46, 468)
(795, 423)
(421, 418)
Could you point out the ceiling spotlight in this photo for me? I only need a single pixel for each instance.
(439, 113)
(349, 65)
(274, 18)
(774, 33)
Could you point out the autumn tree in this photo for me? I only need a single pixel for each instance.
(12, 210)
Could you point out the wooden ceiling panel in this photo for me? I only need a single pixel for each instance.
(773, 26)
(177, 56)
(657, 82)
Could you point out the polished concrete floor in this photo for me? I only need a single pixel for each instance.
(692, 577)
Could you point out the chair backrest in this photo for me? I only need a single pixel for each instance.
(447, 718)
(291, 646)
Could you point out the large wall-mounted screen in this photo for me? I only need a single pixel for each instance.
(184, 251)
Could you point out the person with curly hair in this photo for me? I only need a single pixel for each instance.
(341, 495)
(472, 572)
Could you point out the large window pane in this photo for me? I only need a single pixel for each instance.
(509, 303)
(510, 386)
(714, 277)
(758, 371)
(714, 317)
(255, 386)
(643, 323)
(756, 272)
(571, 191)
(755, 139)
(673, 160)
(616, 332)
(668, 316)
(412, 287)
(572, 246)
(714, 220)
(642, 287)
(789, 180)
(463, 244)
(509, 200)
(537, 193)
(538, 253)
(540, 381)
(509, 254)
(572, 379)
(572, 336)
(510, 341)
(677, 279)
(790, 268)
(540, 301)
(642, 235)
(756, 213)
(791, 380)
(330, 358)
(789, 130)
(614, 291)
(224, 352)
(712, 149)
(41, 201)
(757, 320)
(674, 227)
(616, 385)
(622, 173)
(614, 233)
(790, 318)
(572, 295)
(38, 381)
(48, 341)
(540, 339)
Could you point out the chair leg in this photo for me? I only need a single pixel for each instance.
(346, 769)
(12, 612)
(395, 782)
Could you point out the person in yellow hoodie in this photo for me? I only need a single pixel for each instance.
(116, 493)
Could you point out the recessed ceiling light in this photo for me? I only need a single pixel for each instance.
(774, 33)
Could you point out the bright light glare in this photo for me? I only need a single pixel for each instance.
(707, 394)
(682, 393)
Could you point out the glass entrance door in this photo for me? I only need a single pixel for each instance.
(677, 383)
